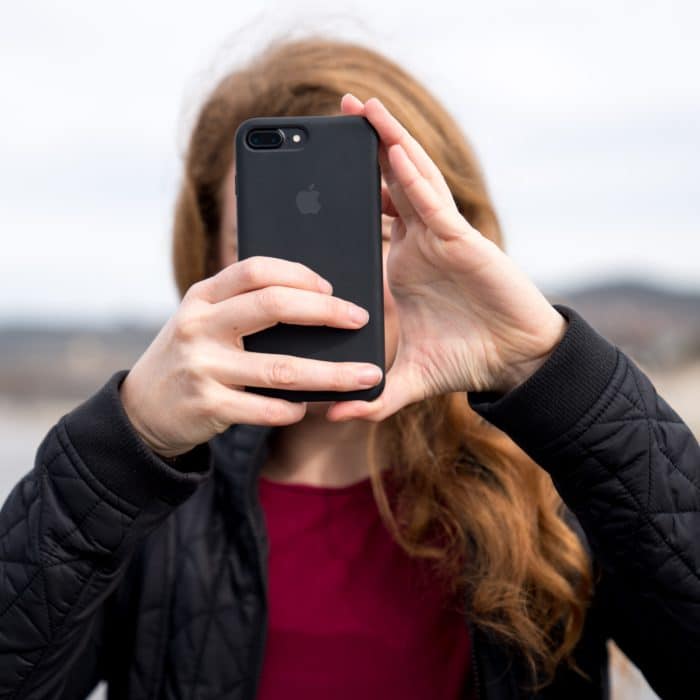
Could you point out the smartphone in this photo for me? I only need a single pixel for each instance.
(309, 190)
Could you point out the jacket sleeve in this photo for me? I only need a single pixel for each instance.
(67, 532)
(629, 468)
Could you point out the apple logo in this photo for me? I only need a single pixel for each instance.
(307, 201)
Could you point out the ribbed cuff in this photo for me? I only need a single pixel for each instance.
(559, 393)
(109, 446)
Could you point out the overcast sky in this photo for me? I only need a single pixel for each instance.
(586, 117)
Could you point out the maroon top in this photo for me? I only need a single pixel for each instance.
(351, 615)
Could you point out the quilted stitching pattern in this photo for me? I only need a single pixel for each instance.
(630, 471)
(63, 540)
(56, 523)
(218, 603)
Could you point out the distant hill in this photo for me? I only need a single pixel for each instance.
(66, 362)
(658, 327)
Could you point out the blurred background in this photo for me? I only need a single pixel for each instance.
(586, 117)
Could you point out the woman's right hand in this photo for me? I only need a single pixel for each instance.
(188, 384)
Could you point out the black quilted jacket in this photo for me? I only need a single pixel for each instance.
(115, 565)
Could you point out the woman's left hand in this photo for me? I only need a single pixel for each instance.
(469, 319)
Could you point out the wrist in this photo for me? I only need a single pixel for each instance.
(520, 372)
(142, 432)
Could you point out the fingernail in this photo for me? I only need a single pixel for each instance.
(325, 286)
(358, 314)
(370, 376)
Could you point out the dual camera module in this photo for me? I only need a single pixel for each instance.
(275, 138)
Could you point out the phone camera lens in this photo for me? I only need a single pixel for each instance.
(265, 138)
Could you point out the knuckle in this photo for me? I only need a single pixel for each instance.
(282, 373)
(413, 181)
(270, 301)
(213, 413)
(274, 413)
(194, 291)
(208, 408)
(336, 308)
(252, 270)
(187, 327)
(200, 367)
(340, 379)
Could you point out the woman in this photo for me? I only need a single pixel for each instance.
(174, 537)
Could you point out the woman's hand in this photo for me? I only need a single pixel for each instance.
(469, 319)
(188, 384)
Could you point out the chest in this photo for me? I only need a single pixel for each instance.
(350, 613)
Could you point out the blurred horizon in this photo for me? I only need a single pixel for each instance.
(606, 288)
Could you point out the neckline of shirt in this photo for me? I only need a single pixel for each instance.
(316, 489)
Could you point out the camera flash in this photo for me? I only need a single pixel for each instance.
(296, 138)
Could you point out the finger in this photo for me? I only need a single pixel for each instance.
(259, 369)
(432, 209)
(391, 131)
(401, 203)
(398, 392)
(349, 104)
(262, 308)
(256, 272)
(233, 406)
(388, 207)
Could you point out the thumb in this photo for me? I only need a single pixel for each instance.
(398, 392)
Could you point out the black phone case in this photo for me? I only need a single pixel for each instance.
(342, 241)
